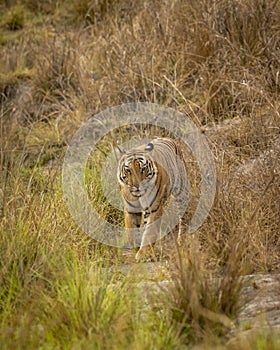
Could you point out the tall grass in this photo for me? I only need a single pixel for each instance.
(63, 61)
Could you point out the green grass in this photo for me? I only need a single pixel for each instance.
(63, 297)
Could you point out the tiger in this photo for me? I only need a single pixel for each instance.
(149, 175)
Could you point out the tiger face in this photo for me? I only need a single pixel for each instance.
(136, 172)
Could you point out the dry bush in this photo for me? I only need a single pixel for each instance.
(89, 12)
(63, 76)
(202, 62)
(201, 304)
(246, 205)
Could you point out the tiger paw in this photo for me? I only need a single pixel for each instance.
(145, 254)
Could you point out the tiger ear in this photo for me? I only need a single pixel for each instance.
(149, 147)
(118, 152)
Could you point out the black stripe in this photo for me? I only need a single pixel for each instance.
(154, 198)
(130, 204)
(153, 211)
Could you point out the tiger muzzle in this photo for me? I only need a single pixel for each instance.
(136, 191)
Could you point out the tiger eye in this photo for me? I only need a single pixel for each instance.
(126, 169)
(144, 167)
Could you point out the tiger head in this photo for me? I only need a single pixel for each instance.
(136, 170)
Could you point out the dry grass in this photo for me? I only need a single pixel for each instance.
(63, 61)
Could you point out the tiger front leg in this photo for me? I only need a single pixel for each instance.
(132, 220)
(151, 234)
